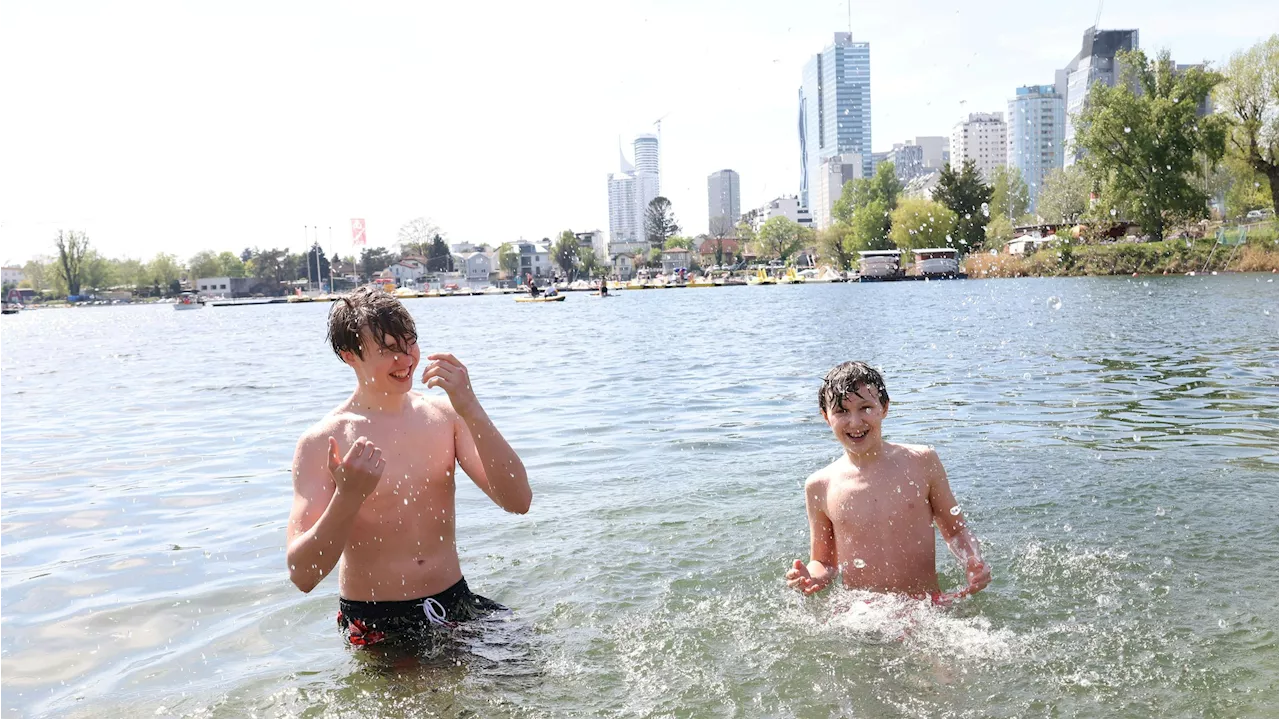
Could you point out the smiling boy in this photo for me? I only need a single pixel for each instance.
(873, 510)
(385, 505)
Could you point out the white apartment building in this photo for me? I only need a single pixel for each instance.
(833, 172)
(787, 206)
(12, 274)
(982, 138)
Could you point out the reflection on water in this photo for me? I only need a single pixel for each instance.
(1113, 441)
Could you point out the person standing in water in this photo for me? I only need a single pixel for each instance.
(373, 481)
(873, 510)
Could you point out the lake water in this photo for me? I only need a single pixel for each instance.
(1113, 442)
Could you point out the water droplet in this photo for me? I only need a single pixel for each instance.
(858, 563)
(986, 210)
(1137, 438)
(1055, 303)
(1126, 131)
(1222, 623)
(955, 511)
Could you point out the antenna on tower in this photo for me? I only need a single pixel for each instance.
(849, 8)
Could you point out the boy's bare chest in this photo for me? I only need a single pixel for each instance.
(857, 502)
(420, 461)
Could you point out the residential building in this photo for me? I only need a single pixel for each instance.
(835, 171)
(1096, 62)
(982, 138)
(935, 151)
(648, 177)
(877, 159)
(535, 259)
(622, 208)
(922, 186)
(632, 189)
(12, 274)
(787, 206)
(407, 272)
(835, 109)
(1037, 126)
(908, 160)
(676, 259)
(729, 249)
(595, 240)
(724, 204)
(474, 267)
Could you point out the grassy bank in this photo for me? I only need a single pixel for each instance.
(1258, 254)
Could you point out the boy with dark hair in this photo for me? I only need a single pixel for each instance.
(386, 505)
(872, 511)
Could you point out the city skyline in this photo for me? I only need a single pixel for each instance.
(136, 125)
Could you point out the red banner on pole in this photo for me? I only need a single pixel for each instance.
(357, 232)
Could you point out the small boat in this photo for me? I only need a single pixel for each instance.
(557, 298)
(762, 278)
(11, 308)
(188, 301)
(791, 278)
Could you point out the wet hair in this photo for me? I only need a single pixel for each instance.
(369, 308)
(845, 379)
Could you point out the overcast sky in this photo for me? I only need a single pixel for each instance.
(181, 126)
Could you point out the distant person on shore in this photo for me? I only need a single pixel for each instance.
(373, 482)
(873, 510)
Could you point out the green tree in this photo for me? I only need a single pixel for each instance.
(999, 231)
(508, 259)
(272, 264)
(969, 199)
(678, 243)
(372, 261)
(779, 238)
(35, 274)
(72, 247)
(1248, 95)
(659, 222)
(1142, 146)
(230, 266)
(837, 245)
(439, 258)
(920, 223)
(654, 258)
(1010, 197)
(864, 200)
(565, 252)
(205, 264)
(96, 271)
(588, 261)
(164, 270)
(1064, 196)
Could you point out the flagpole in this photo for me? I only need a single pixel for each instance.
(304, 245)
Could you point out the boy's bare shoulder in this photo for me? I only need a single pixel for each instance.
(913, 452)
(823, 477)
(433, 406)
(333, 424)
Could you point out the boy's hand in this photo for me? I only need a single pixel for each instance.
(799, 579)
(358, 473)
(447, 373)
(979, 576)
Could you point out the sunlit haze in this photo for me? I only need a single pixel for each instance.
(178, 127)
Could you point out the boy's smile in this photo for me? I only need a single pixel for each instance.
(856, 420)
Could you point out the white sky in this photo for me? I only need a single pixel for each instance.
(181, 126)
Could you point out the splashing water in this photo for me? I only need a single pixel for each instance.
(1055, 303)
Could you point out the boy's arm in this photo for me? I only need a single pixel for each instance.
(327, 493)
(821, 569)
(481, 449)
(953, 527)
